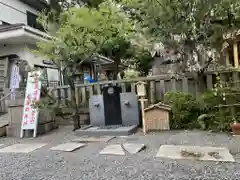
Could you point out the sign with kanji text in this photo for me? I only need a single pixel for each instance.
(32, 95)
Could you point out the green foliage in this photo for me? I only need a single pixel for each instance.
(188, 26)
(215, 118)
(219, 107)
(79, 35)
(185, 109)
(117, 47)
(143, 62)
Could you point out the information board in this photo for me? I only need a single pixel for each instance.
(30, 113)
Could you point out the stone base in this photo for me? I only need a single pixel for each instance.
(3, 131)
(14, 131)
(107, 131)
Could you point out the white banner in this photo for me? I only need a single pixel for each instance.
(30, 114)
(14, 81)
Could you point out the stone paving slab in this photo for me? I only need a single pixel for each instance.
(94, 139)
(133, 148)
(68, 147)
(22, 148)
(115, 149)
(207, 153)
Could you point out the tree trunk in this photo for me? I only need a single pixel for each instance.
(201, 82)
(116, 68)
(76, 122)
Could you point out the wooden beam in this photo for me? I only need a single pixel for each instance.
(152, 92)
(162, 88)
(133, 90)
(209, 81)
(123, 86)
(235, 54)
(173, 83)
(185, 85)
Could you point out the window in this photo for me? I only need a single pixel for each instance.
(32, 21)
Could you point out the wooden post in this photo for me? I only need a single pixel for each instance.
(62, 95)
(90, 91)
(173, 82)
(209, 81)
(197, 89)
(77, 95)
(142, 100)
(152, 92)
(227, 58)
(235, 53)
(69, 95)
(223, 77)
(98, 89)
(133, 88)
(162, 88)
(123, 86)
(56, 95)
(185, 84)
(84, 97)
(235, 78)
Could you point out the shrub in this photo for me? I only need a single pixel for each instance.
(214, 116)
(185, 110)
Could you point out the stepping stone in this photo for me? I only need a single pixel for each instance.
(94, 139)
(21, 148)
(115, 149)
(133, 148)
(195, 152)
(68, 147)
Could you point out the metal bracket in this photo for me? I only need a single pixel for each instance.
(96, 104)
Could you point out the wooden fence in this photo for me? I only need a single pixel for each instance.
(3, 105)
(156, 87)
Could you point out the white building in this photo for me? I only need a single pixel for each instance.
(19, 31)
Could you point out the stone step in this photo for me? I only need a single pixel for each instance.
(3, 124)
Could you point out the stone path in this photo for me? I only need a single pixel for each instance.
(195, 152)
(68, 147)
(21, 148)
(165, 151)
(94, 139)
(87, 163)
(115, 149)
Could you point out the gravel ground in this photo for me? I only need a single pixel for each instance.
(87, 164)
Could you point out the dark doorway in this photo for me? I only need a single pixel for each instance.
(112, 106)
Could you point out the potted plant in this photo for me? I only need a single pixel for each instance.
(236, 128)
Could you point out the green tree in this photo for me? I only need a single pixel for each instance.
(191, 27)
(80, 35)
(117, 48)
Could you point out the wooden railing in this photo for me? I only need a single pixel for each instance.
(156, 87)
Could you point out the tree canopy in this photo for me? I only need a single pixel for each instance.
(188, 26)
(80, 35)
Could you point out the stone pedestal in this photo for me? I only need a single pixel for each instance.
(46, 120)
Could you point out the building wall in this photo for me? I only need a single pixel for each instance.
(14, 11)
(24, 53)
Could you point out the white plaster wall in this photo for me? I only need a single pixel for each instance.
(23, 52)
(14, 11)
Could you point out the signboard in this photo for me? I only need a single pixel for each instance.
(14, 81)
(30, 114)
